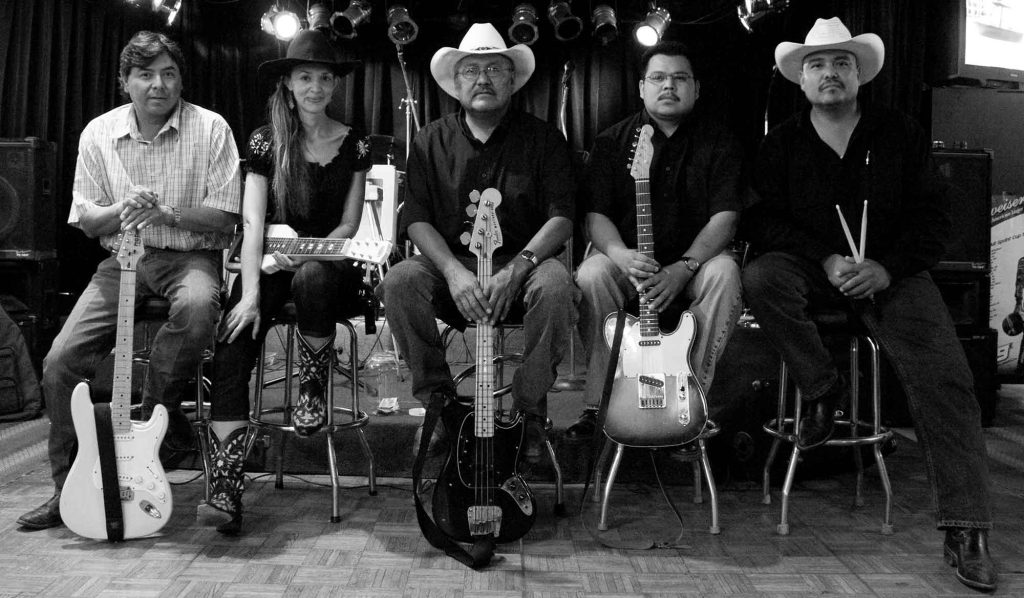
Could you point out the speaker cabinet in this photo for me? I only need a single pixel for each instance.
(970, 171)
(27, 183)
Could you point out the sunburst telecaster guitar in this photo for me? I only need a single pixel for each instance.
(656, 401)
(143, 492)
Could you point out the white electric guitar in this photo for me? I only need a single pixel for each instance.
(281, 238)
(142, 487)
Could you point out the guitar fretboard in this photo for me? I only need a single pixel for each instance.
(645, 245)
(305, 246)
(484, 405)
(121, 388)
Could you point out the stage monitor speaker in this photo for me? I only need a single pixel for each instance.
(27, 185)
(970, 171)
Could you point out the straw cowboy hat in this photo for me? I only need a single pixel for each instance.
(831, 34)
(482, 38)
(308, 46)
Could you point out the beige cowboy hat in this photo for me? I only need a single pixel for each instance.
(482, 38)
(831, 34)
(308, 46)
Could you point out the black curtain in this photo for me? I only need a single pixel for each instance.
(58, 69)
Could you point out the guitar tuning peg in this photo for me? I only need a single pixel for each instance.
(474, 196)
(471, 209)
(464, 238)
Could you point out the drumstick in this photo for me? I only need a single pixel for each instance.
(849, 237)
(864, 231)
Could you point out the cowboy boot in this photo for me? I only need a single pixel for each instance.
(227, 482)
(310, 413)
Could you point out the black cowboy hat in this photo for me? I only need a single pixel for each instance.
(309, 47)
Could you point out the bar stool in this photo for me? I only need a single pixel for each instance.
(338, 417)
(501, 357)
(699, 461)
(151, 313)
(859, 431)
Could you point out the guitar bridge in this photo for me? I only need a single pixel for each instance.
(484, 520)
(651, 392)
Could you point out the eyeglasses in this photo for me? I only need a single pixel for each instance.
(471, 73)
(658, 78)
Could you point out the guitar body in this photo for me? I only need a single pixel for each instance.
(455, 492)
(656, 400)
(145, 492)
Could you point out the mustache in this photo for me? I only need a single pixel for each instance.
(668, 96)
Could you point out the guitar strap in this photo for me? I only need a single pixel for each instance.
(479, 555)
(108, 472)
(606, 392)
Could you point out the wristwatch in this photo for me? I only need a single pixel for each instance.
(692, 264)
(176, 212)
(529, 256)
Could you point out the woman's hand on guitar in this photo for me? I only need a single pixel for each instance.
(278, 261)
(244, 313)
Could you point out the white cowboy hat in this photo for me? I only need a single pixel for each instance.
(482, 38)
(831, 34)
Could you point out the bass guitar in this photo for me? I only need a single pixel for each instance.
(479, 493)
(141, 492)
(281, 238)
(656, 401)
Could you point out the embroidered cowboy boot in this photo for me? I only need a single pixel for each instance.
(227, 482)
(310, 413)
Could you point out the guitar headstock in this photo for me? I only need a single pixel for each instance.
(643, 153)
(374, 252)
(130, 249)
(486, 234)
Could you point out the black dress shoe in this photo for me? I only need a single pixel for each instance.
(817, 425)
(967, 550)
(584, 427)
(43, 517)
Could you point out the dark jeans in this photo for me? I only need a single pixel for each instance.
(190, 281)
(912, 325)
(415, 292)
(323, 292)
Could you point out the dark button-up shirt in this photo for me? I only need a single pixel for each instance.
(887, 163)
(525, 159)
(694, 174)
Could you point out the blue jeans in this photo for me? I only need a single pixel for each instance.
(415, 292)
(713, 295)
(190, 281)
(323, 293)
(912, 325)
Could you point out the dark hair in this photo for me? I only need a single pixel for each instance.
(672, 48)
(144, 47)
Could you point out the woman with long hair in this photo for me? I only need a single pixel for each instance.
(308, 171)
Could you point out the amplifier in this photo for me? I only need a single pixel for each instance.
(970, 172)
(27, 198)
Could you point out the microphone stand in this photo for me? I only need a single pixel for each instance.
(572, 382)
(411, 118)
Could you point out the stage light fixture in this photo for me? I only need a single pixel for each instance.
(282, 24)
(401, 28)
(751, 11)
(167, 7)
(654, 25)
(524, 24)
(345, 23)
(604, 23)
(319, 17)
(567, 25)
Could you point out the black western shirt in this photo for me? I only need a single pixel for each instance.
(525, 159)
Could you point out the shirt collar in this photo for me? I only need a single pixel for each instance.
(130, 125)
(499, 131)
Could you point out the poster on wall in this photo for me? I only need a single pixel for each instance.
(1006, 306)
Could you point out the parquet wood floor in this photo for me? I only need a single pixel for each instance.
(290, 549)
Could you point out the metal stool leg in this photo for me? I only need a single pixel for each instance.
(606, 448)
(616, 460)
(876, 405)
(712, 489)
(559, 492)
(787, 486)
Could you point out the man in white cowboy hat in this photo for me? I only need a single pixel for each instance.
(844, 152)
(696, 190)
(486, 144)
(167, 169)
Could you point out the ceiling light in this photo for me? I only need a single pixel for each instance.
(751, 11)
(345, 23)
(168, 7)
(604, 23)
(524, 25)
(401, 28)
(652, 28)
(319, 18)
(567, 25)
